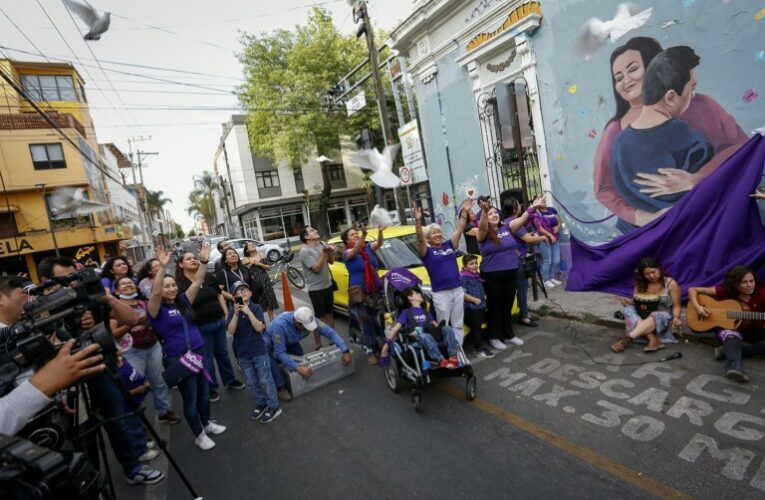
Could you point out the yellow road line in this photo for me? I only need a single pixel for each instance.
(638, 479)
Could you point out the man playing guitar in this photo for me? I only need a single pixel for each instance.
(745, 336)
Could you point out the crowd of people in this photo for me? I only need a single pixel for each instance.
(171, 329)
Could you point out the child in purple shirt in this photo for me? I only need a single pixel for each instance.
(417, 319)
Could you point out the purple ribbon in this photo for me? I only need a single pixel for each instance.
(194, 362)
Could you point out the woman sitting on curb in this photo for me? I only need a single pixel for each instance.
(650, 279)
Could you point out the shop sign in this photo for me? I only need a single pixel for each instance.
(8, 247)
(411, 149)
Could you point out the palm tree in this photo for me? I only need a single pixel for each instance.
(155, 203)
(201, 200)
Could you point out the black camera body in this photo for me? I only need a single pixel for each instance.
(26, 343)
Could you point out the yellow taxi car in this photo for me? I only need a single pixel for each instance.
(399, 249)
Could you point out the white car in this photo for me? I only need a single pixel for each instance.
(271, 251)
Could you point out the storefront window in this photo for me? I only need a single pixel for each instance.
(272, 228)
(359, 213)
(337, 219)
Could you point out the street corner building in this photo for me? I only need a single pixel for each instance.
(38, 155)
(552, 85)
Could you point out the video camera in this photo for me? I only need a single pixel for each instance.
(26, 343)
(30, 471)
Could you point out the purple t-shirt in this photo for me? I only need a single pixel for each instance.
(441, 264)
(420, 317)
(168, 325)
(550, 216)
(500, 256)
(132, 378)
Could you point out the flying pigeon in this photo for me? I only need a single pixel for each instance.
(381, 165)
(379, 218)
(67, 203)
(97, 21)
(596, 32)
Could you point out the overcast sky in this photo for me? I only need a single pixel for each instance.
(205, 41)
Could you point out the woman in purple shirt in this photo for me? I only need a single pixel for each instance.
(499, 268)
(440, 259)
(171, 316)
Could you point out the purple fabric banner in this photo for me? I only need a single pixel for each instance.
(716, 226)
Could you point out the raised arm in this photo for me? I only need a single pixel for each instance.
(461, 222)
(422, 246)
(199, 276)
(380, 238)
(483, 223)
(520, 221)
(156, 289)
(351, 252)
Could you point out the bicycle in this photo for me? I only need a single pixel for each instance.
(294, 274)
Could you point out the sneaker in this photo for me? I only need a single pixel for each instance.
(214, 396)
(143, 474)
(354, 340)
(204, 442)
(719, 353)
(444, 363)
(270, 415)
(284, 394)
(170, 417)
(151, 444)
(149, 455)
(516, 341)
(497, 344)
(453, 362)
(556, 282)
(737, 373)
(237, 385)
(480, 353)
(549, 284)
(489, 353)
(214, 428)
(258, 412)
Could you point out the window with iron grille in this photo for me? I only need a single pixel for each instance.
(267, 179)
(47, 156)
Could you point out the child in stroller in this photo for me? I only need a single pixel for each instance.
(419, 324)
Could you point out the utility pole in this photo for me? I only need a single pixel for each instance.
(361, 13)
(140, 154)
(141, 197)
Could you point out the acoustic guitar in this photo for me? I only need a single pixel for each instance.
(725, 314)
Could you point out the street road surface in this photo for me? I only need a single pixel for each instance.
(548, 422)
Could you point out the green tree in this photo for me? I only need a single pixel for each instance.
(192, 232)
(288, 75)
(178, 231)
(201, 200)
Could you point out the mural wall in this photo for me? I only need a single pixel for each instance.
(641, 101)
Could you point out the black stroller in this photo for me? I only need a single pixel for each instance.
(407, 357)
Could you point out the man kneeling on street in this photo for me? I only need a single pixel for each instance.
(284, 334)
(247, 323)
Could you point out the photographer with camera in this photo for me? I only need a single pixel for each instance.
(127, 439)
(34, 394)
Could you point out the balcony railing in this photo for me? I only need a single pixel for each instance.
(28, 121)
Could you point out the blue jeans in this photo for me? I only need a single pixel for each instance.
(431, 346)
(276, 372)
(550, 259)
(257, 373)
(148, 362)
(216, 349)
(195, 392)
(523, 293)
(124, 432)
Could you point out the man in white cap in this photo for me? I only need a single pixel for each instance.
(284, 334)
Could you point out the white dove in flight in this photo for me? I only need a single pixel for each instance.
(68, 202)
(97, 21)
(379, 218)
(381, 165)
(596, 32)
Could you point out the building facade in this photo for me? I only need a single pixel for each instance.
(268, 202)
(35, 160)
(470, 60)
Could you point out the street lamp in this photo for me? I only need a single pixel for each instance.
(41, 188)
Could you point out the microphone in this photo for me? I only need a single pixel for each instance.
(676, 355)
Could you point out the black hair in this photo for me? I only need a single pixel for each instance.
(734, 276)
(45, 267)
(670, 70)
(303, 234)
(219, 245)
(510, 207)
(407, 293)
(646, 262)
(468, 258)
(107, 271)
(648, 49)
(223, 258)
(344, 235)
(145, 271)
(244, 248)
(10, 283)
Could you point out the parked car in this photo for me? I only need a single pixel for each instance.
(271, 251)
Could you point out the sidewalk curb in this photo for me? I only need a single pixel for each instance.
(699, 338)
